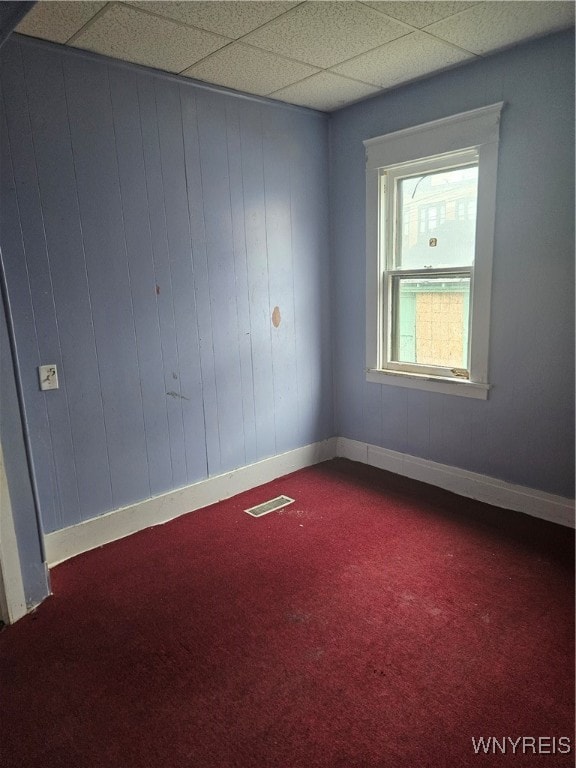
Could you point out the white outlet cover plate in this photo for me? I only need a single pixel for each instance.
(48, 375)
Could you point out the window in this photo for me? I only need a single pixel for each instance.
(427, 274)
(430, 208)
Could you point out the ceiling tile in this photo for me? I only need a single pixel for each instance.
(326, 33)
(420, 14)
(249, 69)
(57, 21)
(402, 60)
(493, 25)
(325, 92)
(227, 17)
(128, 34)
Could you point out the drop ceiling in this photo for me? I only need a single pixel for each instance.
(317, 54)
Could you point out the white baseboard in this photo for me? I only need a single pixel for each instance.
(547, 506)
(68, 542)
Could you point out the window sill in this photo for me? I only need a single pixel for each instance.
(429, 383)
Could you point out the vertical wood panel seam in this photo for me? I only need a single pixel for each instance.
(125, 246)
(268, 275)
(208, 280)
(88, 290)
(247, 279)
(65, 387)
(235, 278)
(58, 509)
(296, 376)
(153, 252)
(194, 288)
(170, 272)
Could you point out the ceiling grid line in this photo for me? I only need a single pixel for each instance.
(88, 24)
(319, 54)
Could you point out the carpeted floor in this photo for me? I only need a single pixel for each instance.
(376, 622)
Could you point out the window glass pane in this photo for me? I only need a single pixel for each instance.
(436, 224)
(431, 321)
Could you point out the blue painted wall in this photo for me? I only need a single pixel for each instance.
(525, 432)
(149, 228)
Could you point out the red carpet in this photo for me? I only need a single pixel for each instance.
(375, 622)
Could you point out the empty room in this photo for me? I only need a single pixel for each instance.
(287, 384)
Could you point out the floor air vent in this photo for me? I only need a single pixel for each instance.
(269, 506)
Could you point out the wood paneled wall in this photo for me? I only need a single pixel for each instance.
(149, 228)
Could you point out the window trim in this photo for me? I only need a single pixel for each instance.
(476, 130)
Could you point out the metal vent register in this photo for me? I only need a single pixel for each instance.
(269, 506)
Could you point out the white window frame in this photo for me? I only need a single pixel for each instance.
(474, 134)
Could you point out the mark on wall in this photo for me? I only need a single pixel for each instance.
(276, 318)
(177, 394)
(157, 290)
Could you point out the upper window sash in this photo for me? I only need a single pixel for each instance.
(388, 190)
